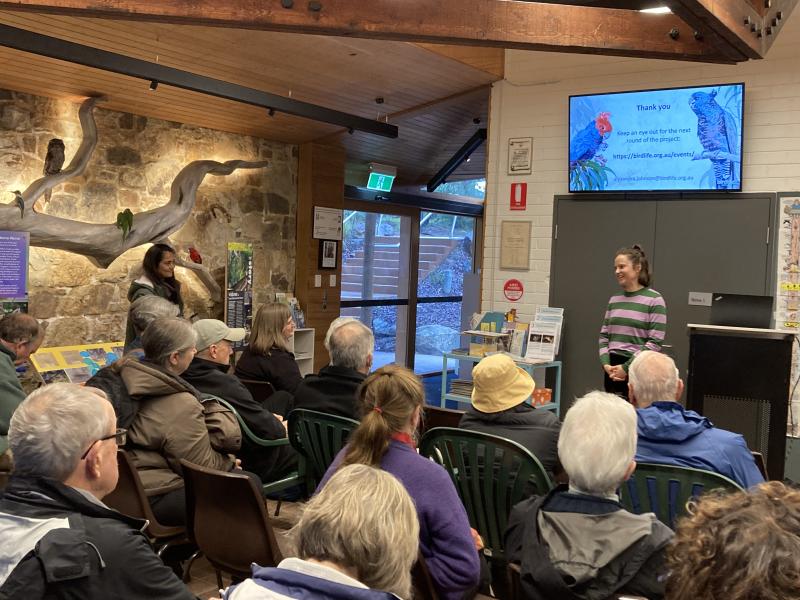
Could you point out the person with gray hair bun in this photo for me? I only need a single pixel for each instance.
(173, 421)
(578, 542)
(671, 435)
(143, 311)
(59, 539)
(357, 538)
(350, 346)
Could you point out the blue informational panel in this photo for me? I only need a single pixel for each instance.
(669, 139)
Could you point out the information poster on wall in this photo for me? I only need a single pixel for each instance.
(239, 284)
(327, 223)
(787, 292)
(14, 270)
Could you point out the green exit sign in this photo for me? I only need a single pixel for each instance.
(380, 182)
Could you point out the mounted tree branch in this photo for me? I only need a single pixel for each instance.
(103, 243)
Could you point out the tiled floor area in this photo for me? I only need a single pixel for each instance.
(204, 580)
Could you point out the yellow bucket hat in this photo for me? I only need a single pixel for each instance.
(499, 384)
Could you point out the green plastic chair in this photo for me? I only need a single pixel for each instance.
(318, 437)
(488, 488)
(293, 478)
(665, 489)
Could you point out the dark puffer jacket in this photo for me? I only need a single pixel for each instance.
(60, 544)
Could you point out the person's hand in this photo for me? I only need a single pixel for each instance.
(608, 369)
(618, 373)
(476, 539)
(238, 464)
(282, 421)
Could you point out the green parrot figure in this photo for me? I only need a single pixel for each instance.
(125, 222)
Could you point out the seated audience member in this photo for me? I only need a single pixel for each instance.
(350, 346)
(738, 546)
(267, 356)
(172, 421)
(143, 311)
(499, 407)
(360, 533)
(391, 401)
(59, 539)
(671, 435)
(578, 542)
(20, 336)
(208, 373)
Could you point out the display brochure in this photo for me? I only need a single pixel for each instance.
(517, 335)
(551, 314)
(239, 287)
(542, 341)
(74, 364)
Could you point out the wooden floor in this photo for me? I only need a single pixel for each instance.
(204, 580)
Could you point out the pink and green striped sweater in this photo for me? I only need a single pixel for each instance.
(634, 321)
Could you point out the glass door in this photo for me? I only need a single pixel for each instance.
(375, 284)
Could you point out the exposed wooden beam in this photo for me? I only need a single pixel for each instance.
(750, 30)
(497, 23)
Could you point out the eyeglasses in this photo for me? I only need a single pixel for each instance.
(120, 437)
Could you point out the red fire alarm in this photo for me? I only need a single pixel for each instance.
(519, 196)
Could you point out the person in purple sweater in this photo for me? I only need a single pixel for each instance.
(391, 401)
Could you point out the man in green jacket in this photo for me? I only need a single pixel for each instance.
(20, 336)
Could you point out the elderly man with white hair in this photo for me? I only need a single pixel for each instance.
(350, 346)
(58, 539)
(578, 542)
(671, 435)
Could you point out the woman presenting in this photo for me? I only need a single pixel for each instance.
(635, 320)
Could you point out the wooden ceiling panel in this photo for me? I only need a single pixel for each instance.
(429, 93)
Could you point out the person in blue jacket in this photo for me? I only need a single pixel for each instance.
(356, 540)
(671, 435)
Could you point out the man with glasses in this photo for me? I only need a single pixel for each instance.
(208, 373)
(58, 539)
(20, 336)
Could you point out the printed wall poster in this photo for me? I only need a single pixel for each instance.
(239, 284)
(14, 265)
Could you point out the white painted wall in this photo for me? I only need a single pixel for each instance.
(532, 101)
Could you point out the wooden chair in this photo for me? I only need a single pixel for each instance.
(227, 520)
(318, 437)
(292, 479)
(129, 498)
(762, 466)
(665, 489)
(491, 474)
(435, 416)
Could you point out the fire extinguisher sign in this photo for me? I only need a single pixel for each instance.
(519, 196)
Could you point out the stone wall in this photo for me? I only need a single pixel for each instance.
(133, 166)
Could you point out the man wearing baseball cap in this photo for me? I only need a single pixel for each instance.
(208, 373)
(499, 407)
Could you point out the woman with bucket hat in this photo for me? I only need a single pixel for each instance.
(500, 393)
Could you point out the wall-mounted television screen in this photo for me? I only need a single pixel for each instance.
(686, 138)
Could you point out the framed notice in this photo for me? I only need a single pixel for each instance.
(328, 251)
(520, 156)
(515, 245)
(327, 223)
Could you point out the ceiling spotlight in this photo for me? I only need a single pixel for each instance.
(469, 158)
(657, 10)
(271, 112)
(153, 85)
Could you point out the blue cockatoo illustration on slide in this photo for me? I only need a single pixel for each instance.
(718, 132)
(585, 144)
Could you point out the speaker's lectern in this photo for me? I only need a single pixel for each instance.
(739, 378)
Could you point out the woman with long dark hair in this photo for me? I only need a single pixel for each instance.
(157, 279)
(392, 399)
(635, 320)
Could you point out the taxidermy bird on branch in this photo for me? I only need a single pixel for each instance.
(53, 161)
(19, 201)
(125, 222)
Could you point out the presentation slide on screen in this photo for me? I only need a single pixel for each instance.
(671, 139)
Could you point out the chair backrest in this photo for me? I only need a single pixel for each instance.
(762, 466)
(260, 390)
(422, 581)
(491, 475)
(435, 416)
(665, 489)
(318, 437)
(227, 520)
(130, 499)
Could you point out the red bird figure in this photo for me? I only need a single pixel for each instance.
(195, 255)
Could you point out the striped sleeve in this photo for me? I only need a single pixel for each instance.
(634, 321)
